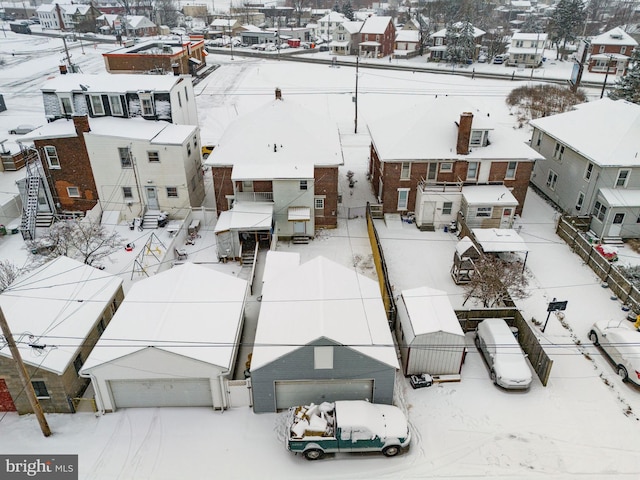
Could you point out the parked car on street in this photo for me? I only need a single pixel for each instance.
(507, 362)
(499, 59)
(22, 129)
(621, 344)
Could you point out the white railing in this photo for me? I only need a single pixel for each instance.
(254, 197)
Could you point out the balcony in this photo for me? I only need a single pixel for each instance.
(253, 197)
(426, 186)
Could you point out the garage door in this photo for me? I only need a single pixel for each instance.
(304, 392)
(188, 392)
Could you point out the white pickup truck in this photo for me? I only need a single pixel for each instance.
(346, 426)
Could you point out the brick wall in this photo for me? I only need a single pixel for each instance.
(519, 185)
(326, 183)
(134, 63)
(75, 169)
(222, 186)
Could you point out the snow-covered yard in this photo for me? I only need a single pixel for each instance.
(583, 423)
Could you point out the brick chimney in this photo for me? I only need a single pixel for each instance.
(82, 124)
(464, 133)
(278, 94)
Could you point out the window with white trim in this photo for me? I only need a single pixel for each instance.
(478, 138)
(472, 170)
(511, 171)
(403, 198)
(153, 156)
(447, 207)
(446, 167)
(318, 203)
(432, 171)
(484, 212)
(303, 184)
(558, 152)
(405, 171)
(588, 171)
(67, 105)
(623, 50)
(73, 192)
(599, 211)
(601, 49)
(125, 157)
(580, 201)
(52, 156)
(116, 105)
(127, 193)
(552, 179)
(146, 104)
(172, 192)
(623, 177)
(322, 358)
(96, 104)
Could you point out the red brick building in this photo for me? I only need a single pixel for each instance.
(377, 37)
(422, 160)
(611, 52)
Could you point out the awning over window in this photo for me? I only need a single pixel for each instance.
(299, 214)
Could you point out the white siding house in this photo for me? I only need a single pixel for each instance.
(172, 343)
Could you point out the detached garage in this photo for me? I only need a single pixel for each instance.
(172, 343)
(430, 336)
(322, 335)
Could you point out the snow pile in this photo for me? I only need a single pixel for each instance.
(313, 421)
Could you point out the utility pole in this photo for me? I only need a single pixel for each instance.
(355, 130)
(606, 75)
(24, 376)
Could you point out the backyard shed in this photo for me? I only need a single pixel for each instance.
(431, 338)
(172, 343)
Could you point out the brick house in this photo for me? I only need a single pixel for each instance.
(291, 161)
(611, 52)
(423, 163)
(183, 57)
(52, 350)
(377, 37)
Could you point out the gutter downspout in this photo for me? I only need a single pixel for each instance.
(94, 382)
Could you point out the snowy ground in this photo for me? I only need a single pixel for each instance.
(583, 424)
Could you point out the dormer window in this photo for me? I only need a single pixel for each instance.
(146, 104)
(478, 138)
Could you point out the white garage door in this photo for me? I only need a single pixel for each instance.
(304, 392)
(169, 392)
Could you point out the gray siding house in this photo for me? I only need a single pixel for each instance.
(591, 164)
(322, 335)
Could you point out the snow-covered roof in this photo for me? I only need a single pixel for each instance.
(333, 17)
(279, 262)
(464, 245)
(224, 22)
(488, 195)
(529, 36)
(585, 129)
(429, 131)
(408, 36)
(443, 33)
(521, 3)
(429, 311)
(621, 197)
(376, 25)
(615, 36)
(281, 134)
(352, 27)
(63, 128)
(60, 304)
(107, 83)
(189, 310)
(499, 240)
(322, 299)
(138, 21)
(246, 215)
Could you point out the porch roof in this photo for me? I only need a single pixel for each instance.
(495, 240)
(244, 216)
(497, 195)
(617, 197)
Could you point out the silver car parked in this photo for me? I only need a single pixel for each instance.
(621, 343)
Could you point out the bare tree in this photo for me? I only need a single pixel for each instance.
(86, 241)
(537, 101)
(8, 273)
(495, 281)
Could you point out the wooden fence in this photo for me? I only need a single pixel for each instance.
(605, 270)
(527, 337)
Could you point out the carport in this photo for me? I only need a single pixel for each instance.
(500, 240)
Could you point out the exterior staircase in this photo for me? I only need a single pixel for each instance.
(300, 239)
(28, 223)
(150, 219)
(44, 219)
(248, 258)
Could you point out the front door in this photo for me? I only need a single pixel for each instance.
(616, 226)
(299, 228)
(152, 198)
(507, 218)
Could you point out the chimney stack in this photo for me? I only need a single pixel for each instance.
(81, 122)
(464, 133)
(278, 94)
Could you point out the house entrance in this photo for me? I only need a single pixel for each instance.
(616, 226)
(152, 198)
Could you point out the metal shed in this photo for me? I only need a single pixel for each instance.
(431, 338)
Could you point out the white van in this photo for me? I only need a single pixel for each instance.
(507, 363)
